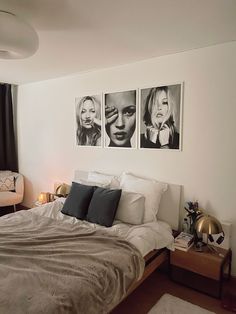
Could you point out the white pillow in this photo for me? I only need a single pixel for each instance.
(151, 189)
(131, 208)
(92, 183)
(103, 178)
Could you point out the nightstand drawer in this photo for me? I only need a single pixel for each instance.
(196, 262)
(203, 271)
(196, 281)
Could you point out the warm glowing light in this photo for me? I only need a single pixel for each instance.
(43, 198)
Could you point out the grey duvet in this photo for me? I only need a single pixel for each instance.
(47, 266)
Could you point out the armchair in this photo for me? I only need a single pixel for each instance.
(12, 198)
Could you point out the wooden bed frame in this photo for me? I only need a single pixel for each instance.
(152, 261)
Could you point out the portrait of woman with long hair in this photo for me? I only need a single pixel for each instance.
(88, 119)
(161, 117)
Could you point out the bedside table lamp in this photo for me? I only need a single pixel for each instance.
(62, 190)
(209, 225)
(43, 197)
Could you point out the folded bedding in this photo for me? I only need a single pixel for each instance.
(51, 263)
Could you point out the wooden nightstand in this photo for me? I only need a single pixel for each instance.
(203, 271)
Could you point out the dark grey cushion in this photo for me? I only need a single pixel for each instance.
(77, 202)
(103, 206)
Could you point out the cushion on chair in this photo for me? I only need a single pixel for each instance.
(7, 183)
(5, 173)
(8, 198)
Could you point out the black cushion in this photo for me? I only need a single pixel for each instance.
(77, 202)
(103, 206)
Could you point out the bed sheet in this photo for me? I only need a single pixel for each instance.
(145, 237)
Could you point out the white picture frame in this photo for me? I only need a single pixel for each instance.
(88, 116)
(160, 125)
(123, 130)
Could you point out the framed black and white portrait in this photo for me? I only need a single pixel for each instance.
(160, 117)
(120, 119)
(89, 120)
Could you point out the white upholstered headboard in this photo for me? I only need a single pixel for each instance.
(169, 206)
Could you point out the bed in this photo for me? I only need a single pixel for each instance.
(55, 263)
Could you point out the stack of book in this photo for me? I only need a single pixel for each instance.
(183, 241)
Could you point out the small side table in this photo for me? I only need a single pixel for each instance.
(203, 271)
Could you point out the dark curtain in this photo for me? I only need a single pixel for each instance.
(8, 152)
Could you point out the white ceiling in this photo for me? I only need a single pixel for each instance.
(83, 35)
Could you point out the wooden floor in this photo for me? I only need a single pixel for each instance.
(10, 209)
(146, 295)
(6, 210)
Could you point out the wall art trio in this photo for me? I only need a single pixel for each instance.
(148, 118)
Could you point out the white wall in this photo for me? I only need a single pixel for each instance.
(205, 166)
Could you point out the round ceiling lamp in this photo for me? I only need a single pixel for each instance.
(18, 39)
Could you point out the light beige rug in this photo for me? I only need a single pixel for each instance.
(168, 304)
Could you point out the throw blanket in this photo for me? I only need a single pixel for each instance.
(51, 267)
